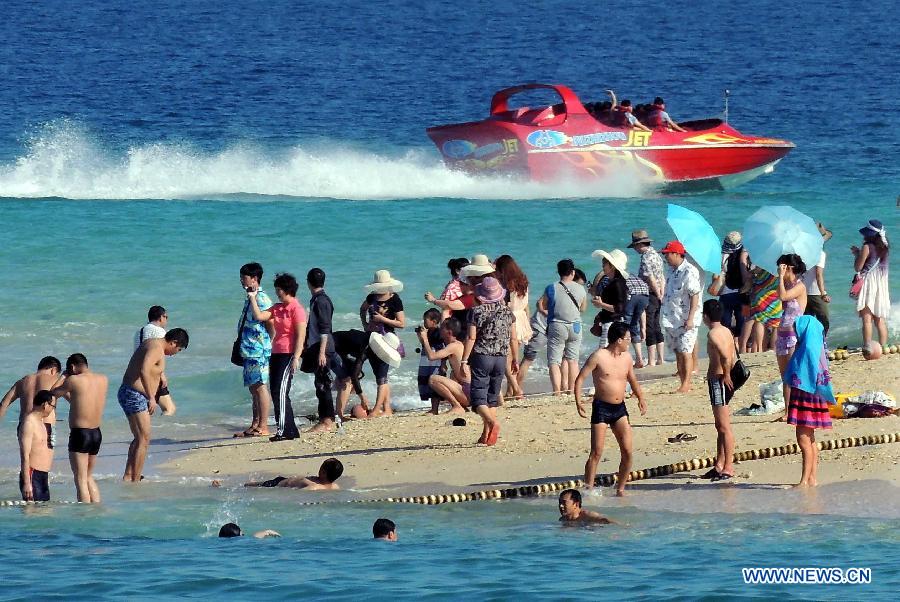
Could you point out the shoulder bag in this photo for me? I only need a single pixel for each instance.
(740, 374)
(236, 358)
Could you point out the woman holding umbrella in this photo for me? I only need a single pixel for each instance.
(792, 293)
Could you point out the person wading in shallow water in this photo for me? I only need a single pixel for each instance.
(86, 392)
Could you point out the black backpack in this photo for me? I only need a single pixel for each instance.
(734, 279)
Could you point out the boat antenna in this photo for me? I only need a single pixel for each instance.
(727, 92)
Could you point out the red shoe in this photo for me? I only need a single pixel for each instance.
(493, 434)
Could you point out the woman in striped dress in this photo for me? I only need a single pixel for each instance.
(765, 306)
(810, 384)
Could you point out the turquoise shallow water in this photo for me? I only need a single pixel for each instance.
(138, 547)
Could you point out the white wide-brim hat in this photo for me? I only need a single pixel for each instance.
(386, 346)
(479, 266)
(616, 257)
(384, 283)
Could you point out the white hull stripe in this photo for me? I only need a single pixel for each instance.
(604, 147)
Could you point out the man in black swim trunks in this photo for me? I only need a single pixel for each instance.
(611, 367)
(86, 392)
(35, 452)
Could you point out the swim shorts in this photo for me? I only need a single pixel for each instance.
(256, 370)
(609, 413)
(538, 340)
(717, 392)
(40, 485)
(680, 340)
(273, 482)
(85, 441)
(132, 401)
(425, 372)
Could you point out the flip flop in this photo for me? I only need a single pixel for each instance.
(722, 477)
(680, 437)
(712, 473)
(251, 433)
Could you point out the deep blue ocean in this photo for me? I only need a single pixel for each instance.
(147, 150)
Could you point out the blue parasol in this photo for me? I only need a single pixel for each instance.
(697, 236)
(774, 231)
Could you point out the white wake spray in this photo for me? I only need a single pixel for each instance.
(65, 160)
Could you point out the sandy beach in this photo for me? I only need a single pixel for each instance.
(543, 439)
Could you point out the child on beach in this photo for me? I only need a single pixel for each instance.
(329, 472)
(429, 332)
(456, 389)
(809, 381)
(721, 350)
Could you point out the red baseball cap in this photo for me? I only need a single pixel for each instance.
(673, 246)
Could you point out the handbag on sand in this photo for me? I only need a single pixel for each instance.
(236, 358)
(740, 374)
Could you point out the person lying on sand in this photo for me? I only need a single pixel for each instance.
(571, 512)
(329, 472)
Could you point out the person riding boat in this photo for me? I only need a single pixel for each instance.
(659, 120)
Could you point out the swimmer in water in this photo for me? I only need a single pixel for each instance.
(571, 512)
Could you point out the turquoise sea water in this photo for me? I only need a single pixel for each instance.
(146, 152)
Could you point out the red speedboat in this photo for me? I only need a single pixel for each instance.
(563, 140)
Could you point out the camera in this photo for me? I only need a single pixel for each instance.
(419, 329)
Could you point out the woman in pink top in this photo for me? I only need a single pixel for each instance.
(289, 319)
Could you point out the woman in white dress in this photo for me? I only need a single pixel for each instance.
(515, 282)
(874, 302)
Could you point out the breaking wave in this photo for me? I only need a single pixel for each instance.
(64, 159)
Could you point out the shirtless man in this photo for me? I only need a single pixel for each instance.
(35, 452)
(86, 392)
(720, 348)
(26, 388)
(611, 367)
(137, 393)
(571, 512)
(454, 390)
(329, 472)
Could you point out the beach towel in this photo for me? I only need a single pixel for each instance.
(808, 368)
(765, 303)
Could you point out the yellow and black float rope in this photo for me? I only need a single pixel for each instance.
(635, 475)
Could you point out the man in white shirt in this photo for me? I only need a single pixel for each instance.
(157, 318)
(680, 315)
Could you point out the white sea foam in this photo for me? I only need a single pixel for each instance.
(65, 159)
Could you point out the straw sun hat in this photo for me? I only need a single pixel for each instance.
(386, 347)
(479, 266)
(384, 283)
(616, 257)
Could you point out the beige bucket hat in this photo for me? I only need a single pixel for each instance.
(383, 282)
